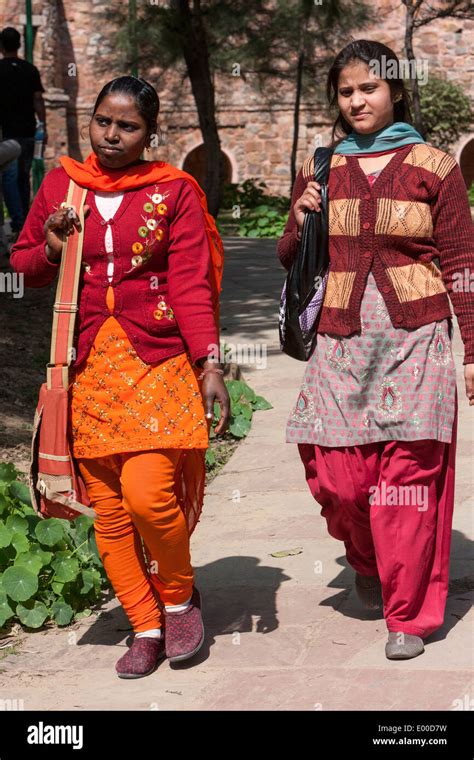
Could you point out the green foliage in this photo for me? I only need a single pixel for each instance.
(263, 222)
(446, 111)
(257, 212)
(243, 403)
(50, 569)
(471, 194)
(249, 193)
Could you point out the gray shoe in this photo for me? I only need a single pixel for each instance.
(369, 591)
(403, 646)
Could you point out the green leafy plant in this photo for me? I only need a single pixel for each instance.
(262, 215)
(49, 569)
(243, 403)
(446, 111)
(249, 193)
(263, 221)
(470, 193)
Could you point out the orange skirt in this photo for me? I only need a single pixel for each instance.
(119, 403)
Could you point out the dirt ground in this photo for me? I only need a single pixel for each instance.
(24, 350)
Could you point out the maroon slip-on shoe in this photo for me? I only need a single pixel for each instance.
(184, 631)
(142, 657)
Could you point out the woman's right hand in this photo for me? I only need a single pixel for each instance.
(58, 227)
(309, 201)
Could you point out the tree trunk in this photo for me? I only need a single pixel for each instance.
(417, 117)
(195, 53)
(296, 115)
(306, 10)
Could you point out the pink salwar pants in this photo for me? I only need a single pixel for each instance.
(391, 502)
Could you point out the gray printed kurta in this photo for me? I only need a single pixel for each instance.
(382, 383)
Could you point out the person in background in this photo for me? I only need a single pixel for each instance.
(20, 99)
(9, 151)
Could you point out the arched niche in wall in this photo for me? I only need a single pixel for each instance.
(195, 164)
(466, 162)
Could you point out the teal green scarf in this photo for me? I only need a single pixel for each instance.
(394, 136)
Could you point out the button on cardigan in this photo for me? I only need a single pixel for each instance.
(416, 212)
(175, 269)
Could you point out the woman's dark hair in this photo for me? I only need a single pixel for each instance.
(145, 96)
(371, 53)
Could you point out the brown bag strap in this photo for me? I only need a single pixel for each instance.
(65, 305)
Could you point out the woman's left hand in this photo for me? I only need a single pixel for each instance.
(214, 390)
(469, 380)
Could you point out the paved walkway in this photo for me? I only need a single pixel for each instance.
(282, 633)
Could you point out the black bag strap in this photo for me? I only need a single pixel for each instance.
(321, 168)
(317, 222)
(322, 164)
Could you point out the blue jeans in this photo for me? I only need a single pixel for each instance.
(16, 183)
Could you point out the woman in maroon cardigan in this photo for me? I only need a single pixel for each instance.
(376, 416)
(145, 379)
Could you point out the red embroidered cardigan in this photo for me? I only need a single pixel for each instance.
(177, 270)
(417, 210)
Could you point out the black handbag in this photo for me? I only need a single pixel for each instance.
(305, 285)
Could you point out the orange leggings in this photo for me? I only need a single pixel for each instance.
(133, 495)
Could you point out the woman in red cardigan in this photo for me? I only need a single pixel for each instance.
(376, 417)
(145, 376)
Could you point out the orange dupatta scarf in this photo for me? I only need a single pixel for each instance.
(190, 478)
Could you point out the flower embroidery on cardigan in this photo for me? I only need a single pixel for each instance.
(163, 310)
(150, 230)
